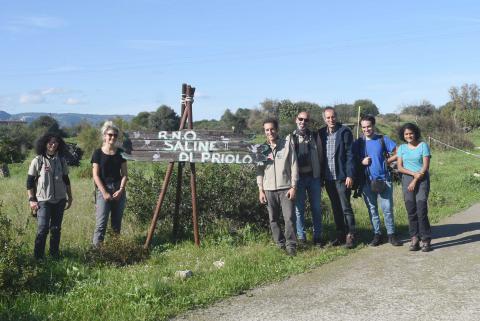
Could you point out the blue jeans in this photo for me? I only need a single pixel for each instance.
(49, 218)
(386, 203)
(103, 210)
(313, 187)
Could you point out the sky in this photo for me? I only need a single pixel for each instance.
(124, 57)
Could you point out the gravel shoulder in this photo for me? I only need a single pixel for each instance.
(382, 283)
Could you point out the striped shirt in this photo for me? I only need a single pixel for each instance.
(330, 173)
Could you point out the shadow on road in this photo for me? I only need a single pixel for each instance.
(463, 240)
(448, 230)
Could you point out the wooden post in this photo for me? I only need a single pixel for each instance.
(166, 181)
(193, 174)
(178, 196)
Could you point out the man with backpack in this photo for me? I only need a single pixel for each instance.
(373, 155)
(308, 148)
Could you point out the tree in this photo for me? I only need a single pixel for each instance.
(15, 141)
(141, 120)
(270, 108)
(164, 118)
(345, 112)
(89, 139)
(368, 107)
(44, 124)
(238, 121)
(424, 108)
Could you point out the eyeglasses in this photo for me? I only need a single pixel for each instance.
(303, 119)
(112, 135)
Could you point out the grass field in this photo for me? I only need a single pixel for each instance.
(73, 289)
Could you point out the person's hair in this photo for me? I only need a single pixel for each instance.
(108, 125)
(329, 108)
(41, 144)
(271, 121)
(414, 128)
(303, 111)
(369, 118)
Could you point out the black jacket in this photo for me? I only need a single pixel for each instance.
(344, 161)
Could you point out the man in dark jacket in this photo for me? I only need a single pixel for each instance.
(338, 173)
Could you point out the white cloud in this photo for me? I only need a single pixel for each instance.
(32, 98)
(73, 101)
(26, 23)
(52, 91)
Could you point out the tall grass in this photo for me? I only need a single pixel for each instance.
(74, 289)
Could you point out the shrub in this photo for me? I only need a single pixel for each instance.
(12, 265)
(117, 250)
(223, 192)
(445, 130)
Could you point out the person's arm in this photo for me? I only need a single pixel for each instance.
(98, 182)
(123, 182)
(31, 182)
(294, 171)
(261, 192)
(66, 179)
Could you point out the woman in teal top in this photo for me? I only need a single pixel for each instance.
(413, 162)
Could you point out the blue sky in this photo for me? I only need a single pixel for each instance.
(124, 57)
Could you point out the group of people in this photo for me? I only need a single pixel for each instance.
(296, 166)
(49, 191)
(302, 162)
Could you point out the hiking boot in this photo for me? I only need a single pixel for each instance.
(377, 240)
(317, 242)
(426, 246)
(414, 244)
(392, 239)
(291, 251)
(339, 240)
(350, 241)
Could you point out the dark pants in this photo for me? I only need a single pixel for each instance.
(49, 218)
(278, 201)
(416, 204)
(342, 209)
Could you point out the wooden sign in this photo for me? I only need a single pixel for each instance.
(193, 146)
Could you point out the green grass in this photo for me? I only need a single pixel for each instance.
(74, 289)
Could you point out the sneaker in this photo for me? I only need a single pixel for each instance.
(317, 242)
(414, 244)
(301, 241)
(291, 251)
(392, 239)
(426, 246)
(350, 241)
(377, 240)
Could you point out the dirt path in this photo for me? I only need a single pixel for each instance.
(383, 283)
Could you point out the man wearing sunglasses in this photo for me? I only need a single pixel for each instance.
(308, 148)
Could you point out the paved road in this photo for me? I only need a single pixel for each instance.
(383, 283)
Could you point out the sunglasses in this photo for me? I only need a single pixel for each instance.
(303, 119)
(112, 135)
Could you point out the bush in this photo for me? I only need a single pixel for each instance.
(12, 265)
(118, 251)
(224, 192)
(445, 130)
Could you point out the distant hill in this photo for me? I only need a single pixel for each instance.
(4, 115)
(65, 120)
